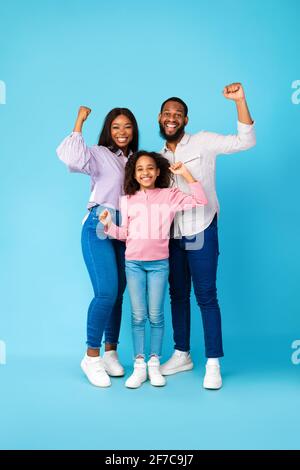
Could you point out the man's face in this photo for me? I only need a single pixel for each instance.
(172, 121)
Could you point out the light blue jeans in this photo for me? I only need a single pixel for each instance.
(147, 283)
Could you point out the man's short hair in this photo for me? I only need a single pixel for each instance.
(178, 100)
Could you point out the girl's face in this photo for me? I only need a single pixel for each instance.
(122, 132)
(146, 172)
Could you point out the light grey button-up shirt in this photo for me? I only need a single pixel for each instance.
(198, 152)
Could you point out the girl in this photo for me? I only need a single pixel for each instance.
(104, 258)
(147, 211)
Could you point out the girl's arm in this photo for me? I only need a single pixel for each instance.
(73, 150)
(179, 199)
(120, 233)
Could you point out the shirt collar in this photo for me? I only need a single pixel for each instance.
(183, 141)
(119, 153)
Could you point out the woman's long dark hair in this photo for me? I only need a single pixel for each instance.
(164, 179)
(105, 134)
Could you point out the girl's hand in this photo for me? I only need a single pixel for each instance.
(83, 113)
(105, 218)
(180, 169)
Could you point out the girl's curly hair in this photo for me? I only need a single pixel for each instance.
(164, 179)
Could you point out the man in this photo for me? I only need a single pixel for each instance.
(194, 247)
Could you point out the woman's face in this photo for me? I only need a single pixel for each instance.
(146, 172)
(122, 132)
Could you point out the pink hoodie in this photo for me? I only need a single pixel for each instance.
(147, 217)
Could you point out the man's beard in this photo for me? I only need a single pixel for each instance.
(171, 138)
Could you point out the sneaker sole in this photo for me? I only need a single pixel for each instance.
(178, 369)
(94, 384)
(212, 387)
(112, 374)
(138, 386)
(157, 385)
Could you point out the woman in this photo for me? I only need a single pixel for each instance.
(104, 257)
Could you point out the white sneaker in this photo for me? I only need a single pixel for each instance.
(139, 374)
(178, 362)
(112, 364)
(212, 379)
(94, 369)
(155, 376)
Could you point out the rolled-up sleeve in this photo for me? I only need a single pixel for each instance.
(227, 144)
(74, 152)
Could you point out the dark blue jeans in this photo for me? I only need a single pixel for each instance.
(199, 266)
(105, 261)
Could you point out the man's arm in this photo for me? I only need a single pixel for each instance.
(236, 93)
(245, 137)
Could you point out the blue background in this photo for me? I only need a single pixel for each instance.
(56, 56)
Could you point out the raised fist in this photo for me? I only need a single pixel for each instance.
(83, 113)
(234, 92)
(178, 168)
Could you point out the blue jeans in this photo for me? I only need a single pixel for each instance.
(147, 284)
(200, 266)
(105, 261)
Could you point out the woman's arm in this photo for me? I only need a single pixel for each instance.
(82, 116)
(73, 150)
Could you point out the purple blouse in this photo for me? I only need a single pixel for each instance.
(105, 168)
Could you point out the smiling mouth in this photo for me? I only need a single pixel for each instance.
(171, 127)
(146, 178)
(122, 140)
